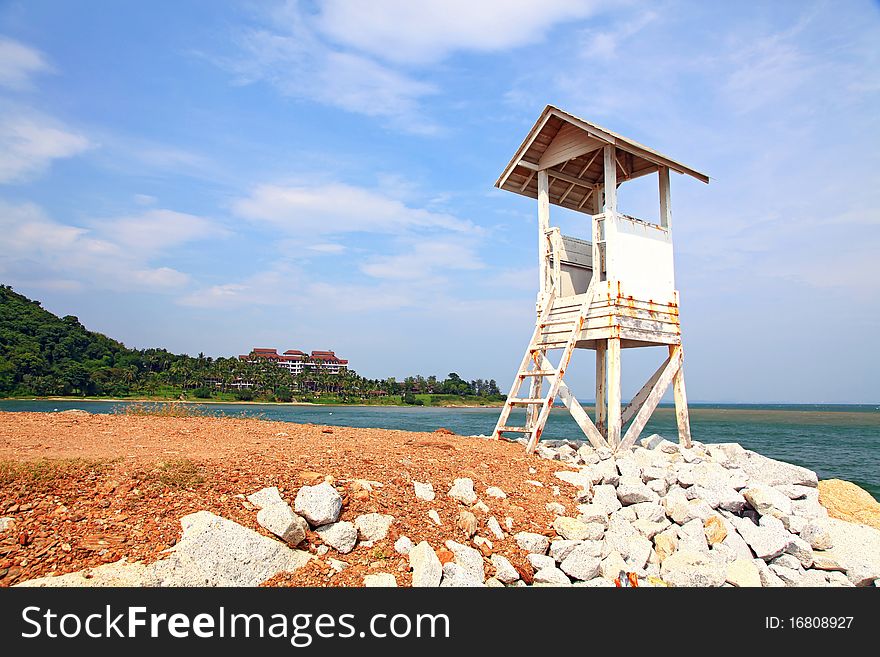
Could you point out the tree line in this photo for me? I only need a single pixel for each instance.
(44, 355)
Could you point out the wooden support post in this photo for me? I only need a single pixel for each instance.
(665, 198)
(601, 382)
(682, 416)
(610, 183)
(610, 210)
(612, 358)
(543, 226)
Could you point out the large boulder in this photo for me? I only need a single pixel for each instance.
(857, 547)
(846, 501)
(766, 500)
(772, 472)
(504, 570)
(320, 505)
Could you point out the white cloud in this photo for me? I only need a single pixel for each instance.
(29, 145)
(155, 230)
(327, 247)
(337, 208)
(43, 252)
(18, 63)
(424, 259)
(415, 33)
(359, 56)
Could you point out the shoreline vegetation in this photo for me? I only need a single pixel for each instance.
(476, 402)
(44, 356)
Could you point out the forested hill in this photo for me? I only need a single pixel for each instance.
(44, 355)
(41, 353)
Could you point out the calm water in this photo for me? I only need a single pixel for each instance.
(837, 441)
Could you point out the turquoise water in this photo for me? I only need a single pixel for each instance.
(837, 441)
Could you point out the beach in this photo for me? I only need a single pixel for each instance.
(84, 490)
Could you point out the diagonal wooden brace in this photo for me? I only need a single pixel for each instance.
(673, 365)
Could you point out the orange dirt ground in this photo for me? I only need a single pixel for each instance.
(86, 489)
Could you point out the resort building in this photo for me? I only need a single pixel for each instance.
(297, 362)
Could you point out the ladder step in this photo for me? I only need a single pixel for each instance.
(538, 373)
(559, 322)
(513, 430)
(524, 401)
(548, 344)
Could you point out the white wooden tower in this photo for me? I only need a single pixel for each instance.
(613, 291)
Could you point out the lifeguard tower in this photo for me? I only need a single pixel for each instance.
(615, 291)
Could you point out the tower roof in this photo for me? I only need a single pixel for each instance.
(570, 149)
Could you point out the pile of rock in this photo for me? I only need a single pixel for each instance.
(711, 515)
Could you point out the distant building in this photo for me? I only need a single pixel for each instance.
(297, 362)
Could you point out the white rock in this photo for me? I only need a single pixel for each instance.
(692, 537)
(540, 561)
(373, 526)
(341, 536)
(403, 545)
(772, 472)
(790, 576)
(685, 568)
(561, 548)
(456, 576)
(7, 524)
(492, 582)
(338, 565)
(504, 570)
(769, 579)
(265, 497)
(605, 498)
(817, 535)
(766, 500)
(424, 491)
(743, 573)
(531, 542)
(631, 490)
(575, 530)
(494, 491)
(587, 454)
(800, 550)
(494, 527)
(280, 519)
(858, 548)
(320, 505)
(612, 565)
(462, 490)
(551, 576)
(426, 566)
(380, 580)
(787, 561)
(581, 564)
(481, 507)
(555, 507)
(433, 515)
(590, 513)
(468, 558)
(768, 540)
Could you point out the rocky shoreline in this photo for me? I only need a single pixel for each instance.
(657, 515)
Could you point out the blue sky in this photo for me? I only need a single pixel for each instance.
(212, 177)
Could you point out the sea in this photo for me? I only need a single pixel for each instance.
(838, 441)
